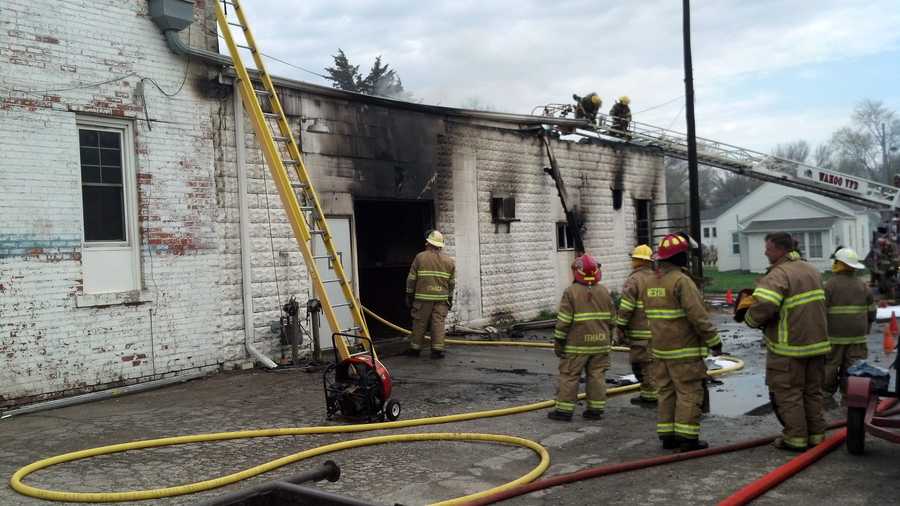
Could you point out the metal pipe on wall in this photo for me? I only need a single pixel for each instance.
(244, 220)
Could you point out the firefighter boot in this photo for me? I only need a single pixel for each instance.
(669, 442)
(437, 353)
(561, 416)
(592, 414)
(689, 445)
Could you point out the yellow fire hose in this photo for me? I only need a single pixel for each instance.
(55, 495)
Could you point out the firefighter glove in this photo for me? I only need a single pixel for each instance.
(558, 348)
(742, 304)
(409, 300)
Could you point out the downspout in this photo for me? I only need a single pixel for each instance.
(244, 216)
(178, 47)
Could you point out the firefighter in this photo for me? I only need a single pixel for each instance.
(851, 311)
(586, 107)
(621, 117)
(581, 340)
(682, 338)
(429, 293)
(887, 267)
(632, 323)
(789, 305)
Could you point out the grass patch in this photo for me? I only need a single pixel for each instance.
(719, 282)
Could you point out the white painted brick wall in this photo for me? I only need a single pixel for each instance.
(47, 344)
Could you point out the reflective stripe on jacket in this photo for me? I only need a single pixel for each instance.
(631, 315)
(431, 276)
(850, 308)
(584, 320)
(677, 316)
(790, 308)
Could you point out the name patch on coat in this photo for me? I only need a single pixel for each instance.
(656, 292)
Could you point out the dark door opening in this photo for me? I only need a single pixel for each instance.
(389, 234)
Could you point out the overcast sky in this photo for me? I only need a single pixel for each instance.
(765, 72)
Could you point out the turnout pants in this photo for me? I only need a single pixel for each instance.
(840, 359)
(795, 386)
(570, 369)
(679, 386)
(427, 313)
(642, 367)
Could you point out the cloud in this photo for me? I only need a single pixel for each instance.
(515, 55)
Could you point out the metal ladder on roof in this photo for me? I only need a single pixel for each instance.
(298, 195)
(757, 165)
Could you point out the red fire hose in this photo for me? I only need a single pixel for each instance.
(606, 470)
(802, 461)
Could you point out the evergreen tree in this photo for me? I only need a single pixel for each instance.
(381, 79)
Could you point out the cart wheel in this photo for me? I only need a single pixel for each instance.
(856, 431)
(392, 410)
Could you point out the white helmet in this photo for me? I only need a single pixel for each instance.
(849, 257)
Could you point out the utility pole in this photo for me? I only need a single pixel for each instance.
(884, 156)
(693, 176)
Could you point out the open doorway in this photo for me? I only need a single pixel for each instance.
(389, 234)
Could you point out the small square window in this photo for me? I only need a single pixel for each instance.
(503, 209)
(706, 232)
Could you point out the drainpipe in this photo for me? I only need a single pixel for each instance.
(172, 16)
(244, 214)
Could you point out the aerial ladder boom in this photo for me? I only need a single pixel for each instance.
(759, 165)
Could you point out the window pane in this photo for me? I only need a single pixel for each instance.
(110, 158)
(109, 140)
(90, 156)
(570, 241)
(90, 174)
(88, 137)
(112, 175)
(560, 236)
(104, 214)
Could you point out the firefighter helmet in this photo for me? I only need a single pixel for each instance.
(642, 252)
(435, 238)
(849, 257)
(625, 100)
(672, 245)
(586, 269)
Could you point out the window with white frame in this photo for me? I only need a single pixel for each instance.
(800, 239)
(815, 244)
(735, 243)
(706, 232)
(110, 256)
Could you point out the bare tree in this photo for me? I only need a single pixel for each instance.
(797, 151)
(858, 149)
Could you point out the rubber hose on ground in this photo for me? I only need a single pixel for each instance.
(797, 464)
(596, 472)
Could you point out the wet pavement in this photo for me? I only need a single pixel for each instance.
(470, 378)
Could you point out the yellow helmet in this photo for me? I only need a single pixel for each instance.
(436, 239)
(624, 99)
(642, 252)
(595, 99)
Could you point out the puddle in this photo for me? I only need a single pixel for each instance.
(738, 394)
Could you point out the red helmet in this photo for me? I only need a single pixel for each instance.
(586, 270)
(672, 245)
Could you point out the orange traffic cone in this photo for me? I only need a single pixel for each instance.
(889, 343)
(894, 328)
(729, 297)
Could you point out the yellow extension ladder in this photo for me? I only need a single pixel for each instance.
(277, 142)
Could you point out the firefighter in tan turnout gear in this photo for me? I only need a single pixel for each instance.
(682, 338)
(851, 311)
(582, 340)
(789, 305)
(429, 293)
(632, 322)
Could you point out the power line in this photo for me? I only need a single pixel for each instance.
(679, 97)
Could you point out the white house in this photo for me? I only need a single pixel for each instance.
(819, 223)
